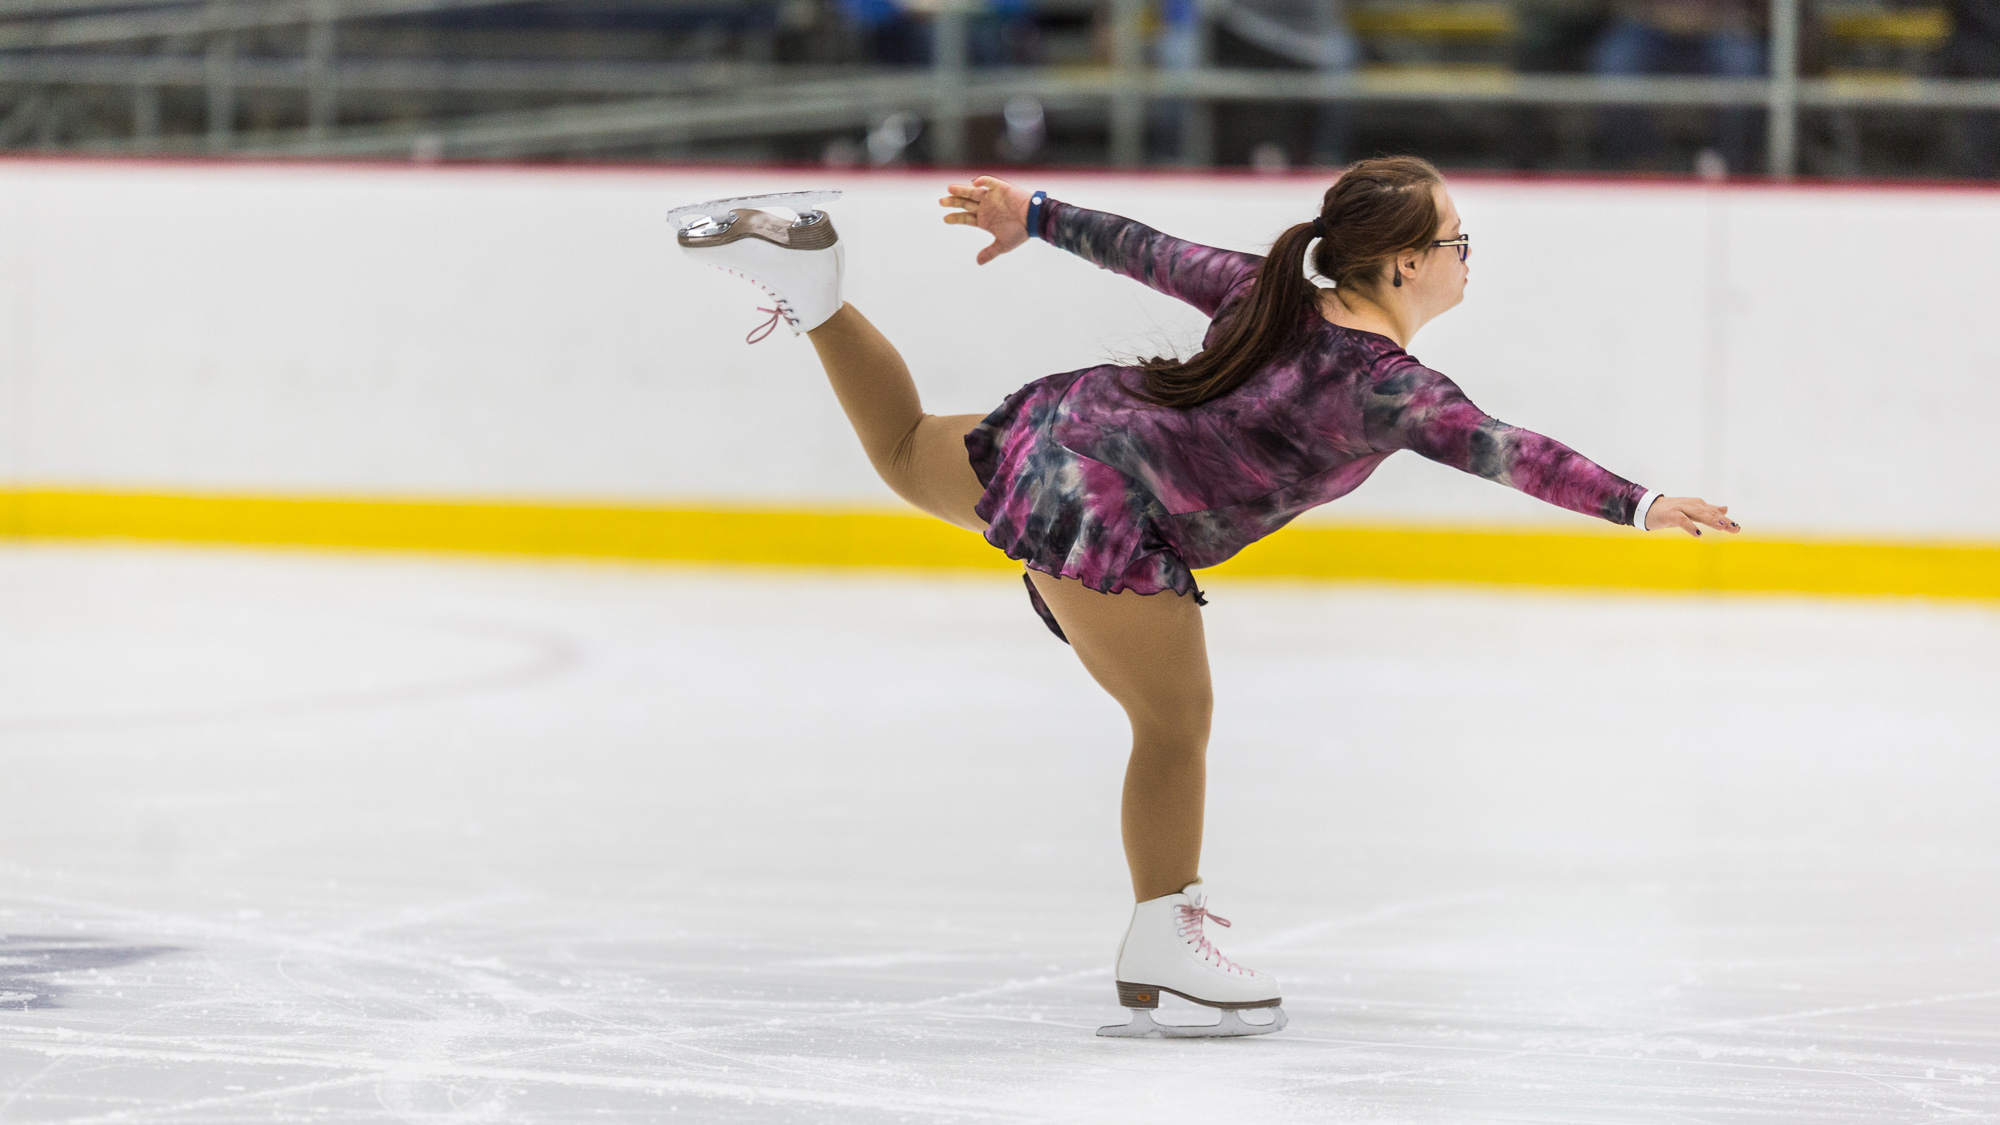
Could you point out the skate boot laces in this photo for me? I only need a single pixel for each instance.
(1189, 926)
(782, 311)
(766, 328)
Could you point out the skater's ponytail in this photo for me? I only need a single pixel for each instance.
(1376, 210)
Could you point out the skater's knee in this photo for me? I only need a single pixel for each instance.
(925, 463)
(1172, 736)
(1182, 715)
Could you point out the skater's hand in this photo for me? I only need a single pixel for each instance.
(994, 206)
(1685, 512)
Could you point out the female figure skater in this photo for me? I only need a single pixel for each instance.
(1113, 483)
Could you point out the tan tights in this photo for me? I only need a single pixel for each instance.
(1146, 650)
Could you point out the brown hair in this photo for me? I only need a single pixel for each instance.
(1377, 209)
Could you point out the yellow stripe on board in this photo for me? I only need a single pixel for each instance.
(1625, 560)
(1606, 560)
(737, 535)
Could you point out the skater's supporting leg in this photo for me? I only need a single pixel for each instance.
(1148, 651)
(921, 456)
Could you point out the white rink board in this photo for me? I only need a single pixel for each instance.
(304, 837)
(1817, 358)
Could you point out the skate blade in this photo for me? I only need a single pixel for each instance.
(1232, 1024)
(715, 209)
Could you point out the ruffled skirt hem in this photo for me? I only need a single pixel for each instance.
(1063, 514)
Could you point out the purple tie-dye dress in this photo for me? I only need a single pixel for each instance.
(1088, 481)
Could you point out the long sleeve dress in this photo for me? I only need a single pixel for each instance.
(1086, 480)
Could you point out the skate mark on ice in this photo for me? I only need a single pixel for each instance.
(245, 1099)
(491, 1064)
(1951, 1113)
(678, 1046)
(376, 1069)
(999, 1017)
(1630, 1041)
(1843, 1010)
(1677, 1063)
(1384, 913)
(24, 958)
(887, 960)
(549, 655)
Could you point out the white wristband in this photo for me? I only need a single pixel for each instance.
(1645, 505)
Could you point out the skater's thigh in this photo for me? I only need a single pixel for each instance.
(1147, 650)
(933, 471)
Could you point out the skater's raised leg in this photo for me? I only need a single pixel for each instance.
(800, 263)
(920, 456)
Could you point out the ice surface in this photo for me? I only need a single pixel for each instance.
(296, 837)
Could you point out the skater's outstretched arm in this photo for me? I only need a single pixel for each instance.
(1409, 406)
(1203, 276)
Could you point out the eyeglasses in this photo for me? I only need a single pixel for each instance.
(1463, 242)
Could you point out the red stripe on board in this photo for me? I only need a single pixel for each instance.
(647, 169)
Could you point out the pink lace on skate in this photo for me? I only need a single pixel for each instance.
(1190, 919)
(766, 328)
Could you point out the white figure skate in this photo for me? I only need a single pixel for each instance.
(797, 261)
(1166, 951)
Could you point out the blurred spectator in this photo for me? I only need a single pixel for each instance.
(1973, 51)
(1556, 36)
(1552, 37)
(1183, 46)
(890, 33)
(1004, 33)
(1183, 40)
(901, 32)
(1712, 37)
(1312, 33)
